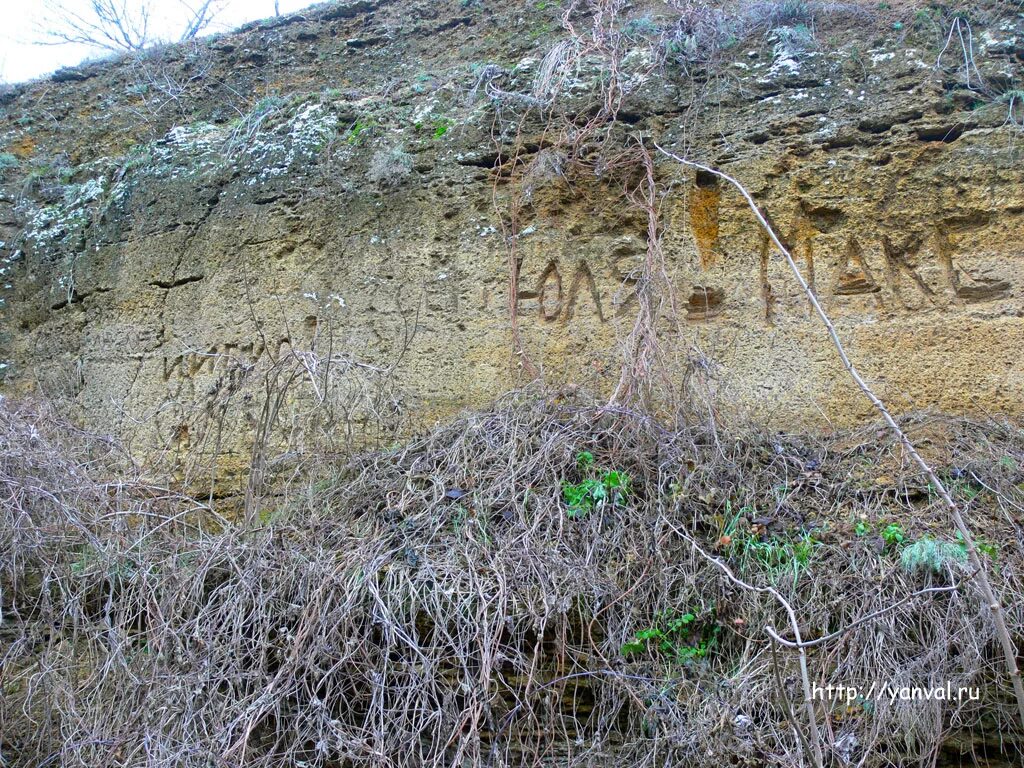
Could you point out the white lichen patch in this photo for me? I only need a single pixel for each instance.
(784, 65)
(52, 226)
(293, 143)
(267, 143)
(185, 151)
(791, 44)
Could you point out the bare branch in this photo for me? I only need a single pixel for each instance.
(118, 25)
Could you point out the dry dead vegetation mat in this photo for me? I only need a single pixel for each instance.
(548, 582)
(537, 583)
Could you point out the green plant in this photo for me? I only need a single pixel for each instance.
(459, 518)
(683, 638)
(357, 131)
(862, 528)
(424, 81)
(926, 16)
(466, 522)
(802, 549)
(7, 160)
(539, 30)
(893, 535)
(271, 515)
(643, 27)
(747, 548)
(928, 554)
(389, 167)
(984, 546)
(90, 559)
(774, 555)
(441, 127)
(268, 104)
(958, 485)
(801, 33)
(601, 488)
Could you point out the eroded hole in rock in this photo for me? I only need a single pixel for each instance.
(706, 180)
(704, 302)
(946, 133)
(855, 281)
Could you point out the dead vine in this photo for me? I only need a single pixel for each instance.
(436, 603)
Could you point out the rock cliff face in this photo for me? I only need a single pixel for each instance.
(341, 184)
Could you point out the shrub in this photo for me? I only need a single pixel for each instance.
(7, 162)
(682, 638)
(388, 167)
(928, 554)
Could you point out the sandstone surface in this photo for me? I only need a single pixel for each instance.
(334, 183)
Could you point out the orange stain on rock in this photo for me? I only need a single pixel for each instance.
(704, 201)
(23, 147)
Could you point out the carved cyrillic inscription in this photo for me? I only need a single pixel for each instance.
(704, 202)
(583, 279)
(191, 364)
(767, 296)
(549, 293)
(898, 268)
(982, 288)
(556, 304)
(897, 272)
(909, 282)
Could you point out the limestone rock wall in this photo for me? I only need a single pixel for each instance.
(326, 182)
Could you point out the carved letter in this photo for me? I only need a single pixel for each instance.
(583, 275)
(550, 281)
